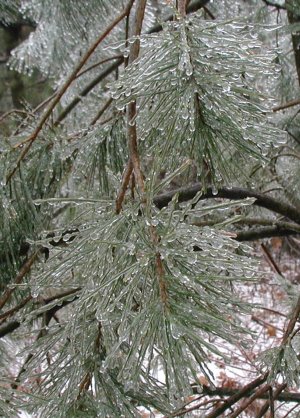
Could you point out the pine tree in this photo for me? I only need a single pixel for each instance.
(171, 136)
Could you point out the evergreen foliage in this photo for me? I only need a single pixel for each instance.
(119, 275)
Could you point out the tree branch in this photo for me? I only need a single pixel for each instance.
(294, 17)
(13, 325)
(292, 323)
(242, 393)
(260, 233)
(235, 193)
(291, 103)
(271, 4)
(131, 108)
(266, 406)
(223, 391)
(249, 401)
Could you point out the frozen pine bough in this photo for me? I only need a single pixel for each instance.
(170, 136)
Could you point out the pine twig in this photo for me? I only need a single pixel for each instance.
(224, 391)
(101, 111)
(30, 140)
(13, 325)
(244, 392)
(271, 260)
(291, 103)
(182, 7)
(188, 192)
(97, 64)
(131, 109)
(265, 407)
(125, 181)
(292, 323)
(23, 271)
(249, 401)
(15, 309)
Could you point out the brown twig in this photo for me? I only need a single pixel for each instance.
(184, 411)
(265, 407)
(213, 17)
(264, 323)
(124, 185)
(84, 92)
(97, 64)
(244, 392)
(292, 323)
(131, 109)
(87, 380)
(225, 391)
(182, 7)
(291, 103)
(13, 325)
(15, 309)
(188, 192)
(23, 271)
(249, 401)
(271, 260)
(29, 141)
(11, 112)
(290, 410)
(101, 111)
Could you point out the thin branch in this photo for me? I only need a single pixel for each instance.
(11, 112)
(291, 410)
(292, 323)
(242, 393)
(184, 411)
(207, 11)
(8, 328)
(291, 103)
(271, 260)
(294, 18)
(13, 325)
(275, 396)
(91, 67)
(23, 271)
(101, 111)
(131, 109)
(235, 193)
(260, 233)
(249, 401)
(98, 347)
(16, 308)
(182, 7)
(264, 323)
(125, 182)
(276, 228)
(65, 87)
(192, 7)
(87, 89)
(225, 391)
